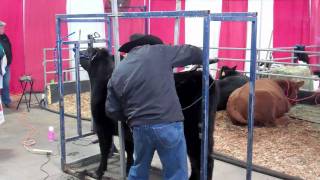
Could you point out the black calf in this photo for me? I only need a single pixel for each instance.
(99, 65)
(189, 90)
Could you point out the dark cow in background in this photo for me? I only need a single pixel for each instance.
(99, 64)
(229, 80)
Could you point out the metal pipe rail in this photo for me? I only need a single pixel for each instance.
(271, 62)
(53, 60)
(85, 41)
(153, 14)
(69, 70)
(266, 49)
(272, 74)
(284, 75)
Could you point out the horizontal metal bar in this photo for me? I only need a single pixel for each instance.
(270, 61)
(87, 20)
(283, 48)
(69, 48)
(69, 70)
(68, 81)
(260, 60)
(52, 49)
(291, 51)
(85, 41)
(53, 60)
(271, 74)
(274, 61)
(312, 46)
(130, 7)
(69, 16)
(284, 58)
(214, 17)
(248, 60)
(232, 18)
(78, 137)
(263, 49)
(153, 14)
(284, 75)
(243, 14)
(314, 55)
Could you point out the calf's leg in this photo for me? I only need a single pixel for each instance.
(129, 150)
(105, 142)
(193, 147)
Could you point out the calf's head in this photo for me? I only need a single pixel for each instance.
(96, 61)
(226, 71)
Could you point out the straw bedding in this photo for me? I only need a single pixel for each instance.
(293, 149)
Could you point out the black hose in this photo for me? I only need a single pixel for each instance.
(256, 168)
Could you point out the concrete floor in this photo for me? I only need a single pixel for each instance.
(17, 163)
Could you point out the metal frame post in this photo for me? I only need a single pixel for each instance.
(61, 93)
(205, 99)
(251, 98)
(45, 77)
(253, 18)
(109, 31)
(177, 24)
(146, 22)
(78, 88)
(115, 25)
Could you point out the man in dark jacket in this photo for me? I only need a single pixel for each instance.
(142, 93)
(5, 42)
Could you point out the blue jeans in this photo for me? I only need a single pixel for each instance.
(169, 141)
(5, 93)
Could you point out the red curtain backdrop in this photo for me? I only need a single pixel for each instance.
(11, 13)
(315, 31)
(291, 24)
(129, 26)
(40, 33)
(164, 28)
(233, 34)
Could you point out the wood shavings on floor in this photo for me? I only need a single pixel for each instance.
(293, 149)
(70, 105)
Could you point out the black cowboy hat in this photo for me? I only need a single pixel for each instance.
(139, 40)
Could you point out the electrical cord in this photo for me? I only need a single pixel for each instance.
(42, 166)
(29, 141)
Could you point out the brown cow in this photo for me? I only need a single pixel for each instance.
(273, 98)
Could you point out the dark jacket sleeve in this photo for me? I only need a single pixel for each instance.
(186, 55)
(113, 105)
